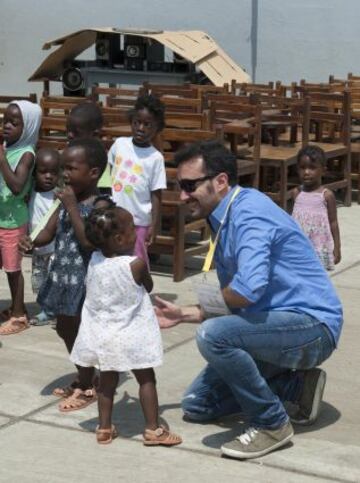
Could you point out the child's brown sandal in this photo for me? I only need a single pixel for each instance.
(105, 436)
(161, 437)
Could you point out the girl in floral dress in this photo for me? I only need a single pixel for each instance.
(315, 206)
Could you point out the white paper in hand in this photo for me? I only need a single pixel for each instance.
(209, 295)
(44, 220)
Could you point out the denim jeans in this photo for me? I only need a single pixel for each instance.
(255, 362)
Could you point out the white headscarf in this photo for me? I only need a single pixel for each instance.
(31, 114)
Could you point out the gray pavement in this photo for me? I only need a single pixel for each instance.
(40, 444)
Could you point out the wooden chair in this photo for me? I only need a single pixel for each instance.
(333, 136)
(209, 97)
(242, 87)
(181, 237)
(181, 104)
(245, 136)
(114, 96)
(148, 86)
(276, 161)
(59, 105)
(187, 120)
(170, 140)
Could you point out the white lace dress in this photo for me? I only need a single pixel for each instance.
(119, 330)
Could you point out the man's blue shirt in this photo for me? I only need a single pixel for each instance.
(263, 255)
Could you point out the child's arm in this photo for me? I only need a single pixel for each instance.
(16, 180)
(68, 199)
(155, 216)
(294, 194)
(141, 274)
(334, 226)
(44, 237)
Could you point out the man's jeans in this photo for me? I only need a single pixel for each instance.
(252, 362)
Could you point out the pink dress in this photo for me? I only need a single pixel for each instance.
(310, 211)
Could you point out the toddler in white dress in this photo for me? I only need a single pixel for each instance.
(119, 330)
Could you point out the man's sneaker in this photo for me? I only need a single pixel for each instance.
(310, 401)
(257, 442)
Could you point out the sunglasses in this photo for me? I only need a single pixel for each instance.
(190, 185)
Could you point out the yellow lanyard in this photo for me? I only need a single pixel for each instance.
(212, 244)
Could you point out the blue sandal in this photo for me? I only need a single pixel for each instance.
(41, 319)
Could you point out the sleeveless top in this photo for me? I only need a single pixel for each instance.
(13, 208)
(310, 211)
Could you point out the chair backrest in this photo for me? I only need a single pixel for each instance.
(187, 120)
(115, 96)
(160, 90)
(289, 111)
(170, 140)
(114, 116)
(333, 114)
(224, 112)
(181, 104)
(59, 105)
(245, 87)
(229, 98)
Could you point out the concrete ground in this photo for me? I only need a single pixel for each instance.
(40, 444)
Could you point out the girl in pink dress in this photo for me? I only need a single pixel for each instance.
(315, 206)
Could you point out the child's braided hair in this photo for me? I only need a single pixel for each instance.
(103, 223)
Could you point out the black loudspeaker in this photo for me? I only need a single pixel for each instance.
(73, 82)
(134, 52)
(160, 66)
(107, 49)
(134, 64)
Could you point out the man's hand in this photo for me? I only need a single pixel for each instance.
(25, 244)
(168, 314)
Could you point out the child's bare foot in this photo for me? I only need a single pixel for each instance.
(161, 436)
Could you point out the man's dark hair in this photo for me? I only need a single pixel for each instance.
(153, 105)
(95, 153)
(89, 114)
(217, 158)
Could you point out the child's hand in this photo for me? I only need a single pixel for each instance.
(67, 198)
(2, 153)
(168, 314)
(337, 256)
(25, 244)
(149, 237)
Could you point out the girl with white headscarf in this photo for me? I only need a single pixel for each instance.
(21, 122)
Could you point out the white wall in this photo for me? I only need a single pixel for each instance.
(273, 39)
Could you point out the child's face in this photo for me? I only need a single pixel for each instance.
(47, 172)
(75, 129)
(310, 172)
(13, 124)
(76, 171)
(144, 128)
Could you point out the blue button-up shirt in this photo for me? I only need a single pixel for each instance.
(263, 255)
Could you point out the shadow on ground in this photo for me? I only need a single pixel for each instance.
(31, 307)
(236, 425)
(128, 416)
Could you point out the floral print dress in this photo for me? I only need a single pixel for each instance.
(63, 292)
(310, 211)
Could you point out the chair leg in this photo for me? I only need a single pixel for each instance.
(283, 186)
(179, 248)
(347, 172)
